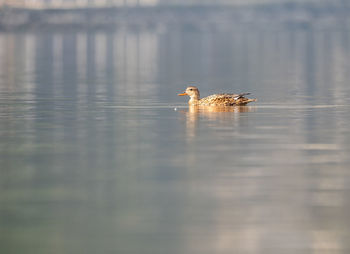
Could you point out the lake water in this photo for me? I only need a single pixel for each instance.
(98, 154)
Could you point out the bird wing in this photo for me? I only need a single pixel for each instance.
(223, 99)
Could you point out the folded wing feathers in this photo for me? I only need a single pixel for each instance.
(225, 99)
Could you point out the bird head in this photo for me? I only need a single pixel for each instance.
(191, 91)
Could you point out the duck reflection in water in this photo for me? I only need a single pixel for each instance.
(214, 116)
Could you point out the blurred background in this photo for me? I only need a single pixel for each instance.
(98, 154)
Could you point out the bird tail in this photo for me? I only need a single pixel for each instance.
(241, 95)
(244, 101)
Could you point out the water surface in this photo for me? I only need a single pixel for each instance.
(99, 155)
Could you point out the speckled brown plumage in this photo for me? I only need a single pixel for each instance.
(216, 99)
(224, 100)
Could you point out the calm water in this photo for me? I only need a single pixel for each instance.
(94, 158)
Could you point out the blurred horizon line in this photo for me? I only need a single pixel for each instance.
(96, 4)
(14, 16)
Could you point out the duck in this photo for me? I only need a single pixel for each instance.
(224, 99)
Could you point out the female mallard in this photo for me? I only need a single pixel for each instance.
(215, 99)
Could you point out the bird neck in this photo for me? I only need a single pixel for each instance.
(194, 99)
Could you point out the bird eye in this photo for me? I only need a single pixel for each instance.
(191, 89)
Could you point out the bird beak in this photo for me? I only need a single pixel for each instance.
(182, 94)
